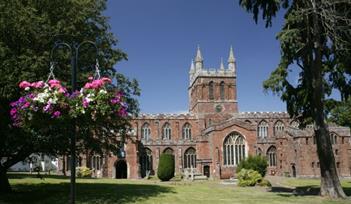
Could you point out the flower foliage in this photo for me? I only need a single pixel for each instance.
(97, 100)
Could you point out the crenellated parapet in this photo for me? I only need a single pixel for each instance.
(262, 115)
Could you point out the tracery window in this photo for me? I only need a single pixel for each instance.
(272, 156)
(222, 90)
(187, 131)
(210, 90)
(145, 131)
(234, 150)
(190, 158)
(96, 162)
(166, 131)
(278, 128)
(262, 129)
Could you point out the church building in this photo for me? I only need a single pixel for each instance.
(213, 137)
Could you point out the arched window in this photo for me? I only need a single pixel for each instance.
(168, 150)
(187, 131)
(146, 161)
(233, 149)
(278, 128)
(333, 138)
(272, 156)
(210, 90)
(294, 124)
(166, 131)
(145, 131)
(190, 158)
(222, 90)
(96, 162)
(262, 129)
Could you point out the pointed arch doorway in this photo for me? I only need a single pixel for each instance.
(121, 169)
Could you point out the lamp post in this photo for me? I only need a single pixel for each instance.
(74, 51)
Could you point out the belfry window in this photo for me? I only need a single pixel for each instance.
(187, 131)
(210, 90)
(190, 158)
(234, 150)
(272, 156)
(222, 90)
(166, 132)
(145, 132)
(262, 129)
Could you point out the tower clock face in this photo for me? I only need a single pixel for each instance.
(218, 108)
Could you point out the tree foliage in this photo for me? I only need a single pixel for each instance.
(315, 41)
(28, 31)
(257, 163)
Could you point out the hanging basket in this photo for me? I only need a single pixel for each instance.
(46, 102)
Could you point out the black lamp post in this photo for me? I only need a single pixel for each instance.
(74, 51)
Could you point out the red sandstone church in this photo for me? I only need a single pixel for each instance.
(213, 137)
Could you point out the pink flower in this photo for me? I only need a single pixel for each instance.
(38, 84)
(90, 78)
(56, 114)
(54, 81)
(85, 103)
(115, 101)
(57, 86)
(88, 86)
(106, 80)
(47, 107)
(122, 112)
(26, 105)
(13, 111)
(24, 84)
(62, 90)
(96, 84)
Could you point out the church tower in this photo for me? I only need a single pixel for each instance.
(212, 92)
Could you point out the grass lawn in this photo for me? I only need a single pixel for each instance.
(55, 189)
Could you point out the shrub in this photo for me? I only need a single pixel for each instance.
(249, 177)
(265, 183)
(84, 172)
(165, 169)
(257, 163)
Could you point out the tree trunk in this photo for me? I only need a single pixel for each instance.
(4, 182)
(330, 183)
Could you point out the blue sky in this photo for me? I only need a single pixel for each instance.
(161, 36)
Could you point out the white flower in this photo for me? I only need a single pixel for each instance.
(89, 99)
(27, 88)
(30, 116)
(53, 100)
(41, 97)
(102, 91)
